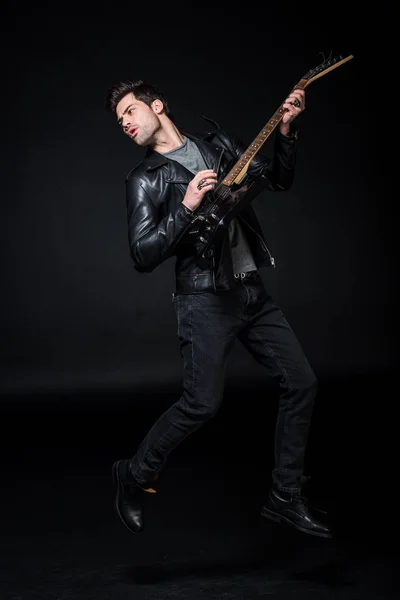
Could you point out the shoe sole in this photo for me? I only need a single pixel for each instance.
(280, 519)
(115, 479)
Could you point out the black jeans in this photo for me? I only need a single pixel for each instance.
(208, 325)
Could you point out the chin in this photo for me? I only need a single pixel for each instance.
(140, 142)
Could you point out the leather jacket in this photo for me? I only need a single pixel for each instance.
(158, 221)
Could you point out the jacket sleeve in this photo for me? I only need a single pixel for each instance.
(152, 240)
(277, 170)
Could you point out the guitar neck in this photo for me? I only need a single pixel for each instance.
(239, 169)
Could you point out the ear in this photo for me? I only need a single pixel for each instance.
(157, 106)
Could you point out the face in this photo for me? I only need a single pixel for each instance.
(138, 120)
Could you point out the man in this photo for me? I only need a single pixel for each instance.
(217, 298)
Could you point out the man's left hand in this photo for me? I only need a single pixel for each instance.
(293, 107)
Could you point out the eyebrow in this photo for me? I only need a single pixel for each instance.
(120, 119)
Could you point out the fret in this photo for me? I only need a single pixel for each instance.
(254, 147)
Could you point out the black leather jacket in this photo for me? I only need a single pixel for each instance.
(158, 221)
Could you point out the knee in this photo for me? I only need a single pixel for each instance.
(308, 384)
(201, 408)
(304, 382)
(208, 412)
(207, 408)
(311, 382)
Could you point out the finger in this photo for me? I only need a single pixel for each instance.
(206, 182)
(291, 108)
(207, 187)
(205, 173)
(293, 97)
(299, 93)
(291, 105)
(294, 106)
(297, 97)
(207, 179)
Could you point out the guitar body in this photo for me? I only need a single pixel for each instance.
(212, 218)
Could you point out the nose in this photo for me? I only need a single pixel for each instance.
(126, 123)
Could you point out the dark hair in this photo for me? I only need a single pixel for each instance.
(145, 92)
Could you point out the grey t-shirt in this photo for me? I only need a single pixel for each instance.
(190, 157)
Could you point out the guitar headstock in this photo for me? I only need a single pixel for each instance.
(332, 62)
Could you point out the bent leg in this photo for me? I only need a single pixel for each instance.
(206, 334)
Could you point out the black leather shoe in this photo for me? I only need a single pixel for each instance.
(129, 497)
(294, 510)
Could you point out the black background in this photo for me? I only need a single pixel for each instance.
(74, 313)
(89, 354)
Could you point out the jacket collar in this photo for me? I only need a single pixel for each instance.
(178, 173)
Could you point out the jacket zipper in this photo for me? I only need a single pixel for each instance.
(213, 275)
(213, 256)
(265, 248)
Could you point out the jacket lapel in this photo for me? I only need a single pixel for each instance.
(174, 171)
(177, 173)
(211, 154)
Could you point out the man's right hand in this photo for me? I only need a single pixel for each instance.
(202, 182)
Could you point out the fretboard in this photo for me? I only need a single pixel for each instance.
(258, 142)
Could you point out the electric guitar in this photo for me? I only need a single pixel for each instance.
(236, 190)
